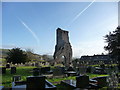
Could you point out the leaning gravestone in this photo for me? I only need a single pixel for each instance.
(35, 83)
(82, 81)
(13, 70)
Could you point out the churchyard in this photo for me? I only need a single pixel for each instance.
(57, 76)
(66, 74)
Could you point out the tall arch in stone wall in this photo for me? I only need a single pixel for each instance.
(63, 47)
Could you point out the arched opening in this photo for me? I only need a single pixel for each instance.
(63, 59)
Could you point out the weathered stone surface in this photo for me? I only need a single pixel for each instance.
(63, 48)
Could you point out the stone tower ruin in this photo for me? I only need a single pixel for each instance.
(63, 47)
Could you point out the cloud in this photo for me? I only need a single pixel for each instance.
(30, 30)
(88, 48)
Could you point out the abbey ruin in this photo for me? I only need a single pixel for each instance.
(63, 47)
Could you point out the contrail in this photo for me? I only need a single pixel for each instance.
(82, 11)
(33, 34)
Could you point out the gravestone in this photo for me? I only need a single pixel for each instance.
(26, 64)
(99, 70)
(92, 69)
(35, 83)
(16, 78)
(7, 65)
(82, 68)
(36, 71)
(63, 48)
(32, 64)
(102, 66)
(45, 70)
(70, 69)
(37, 64)
(89, 69)
(13, 70)
(3, 70)
(82, 81)
(42, 70)
(58, 71)
(63, 69)
(75, 64)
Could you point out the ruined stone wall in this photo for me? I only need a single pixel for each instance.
(63, 47)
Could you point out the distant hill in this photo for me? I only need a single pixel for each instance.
(3, 52)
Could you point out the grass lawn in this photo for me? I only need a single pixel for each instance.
(25, 71)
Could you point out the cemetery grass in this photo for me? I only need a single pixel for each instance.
(27, 71)
(23, 71)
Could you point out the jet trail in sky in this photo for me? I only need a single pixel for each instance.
(33, 34)
(78, 15)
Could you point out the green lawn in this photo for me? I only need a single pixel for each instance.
(25, 71)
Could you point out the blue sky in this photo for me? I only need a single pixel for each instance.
(32, 25)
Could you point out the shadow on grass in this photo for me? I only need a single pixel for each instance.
(63, 87)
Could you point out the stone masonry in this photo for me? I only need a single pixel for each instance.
(63, 47)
